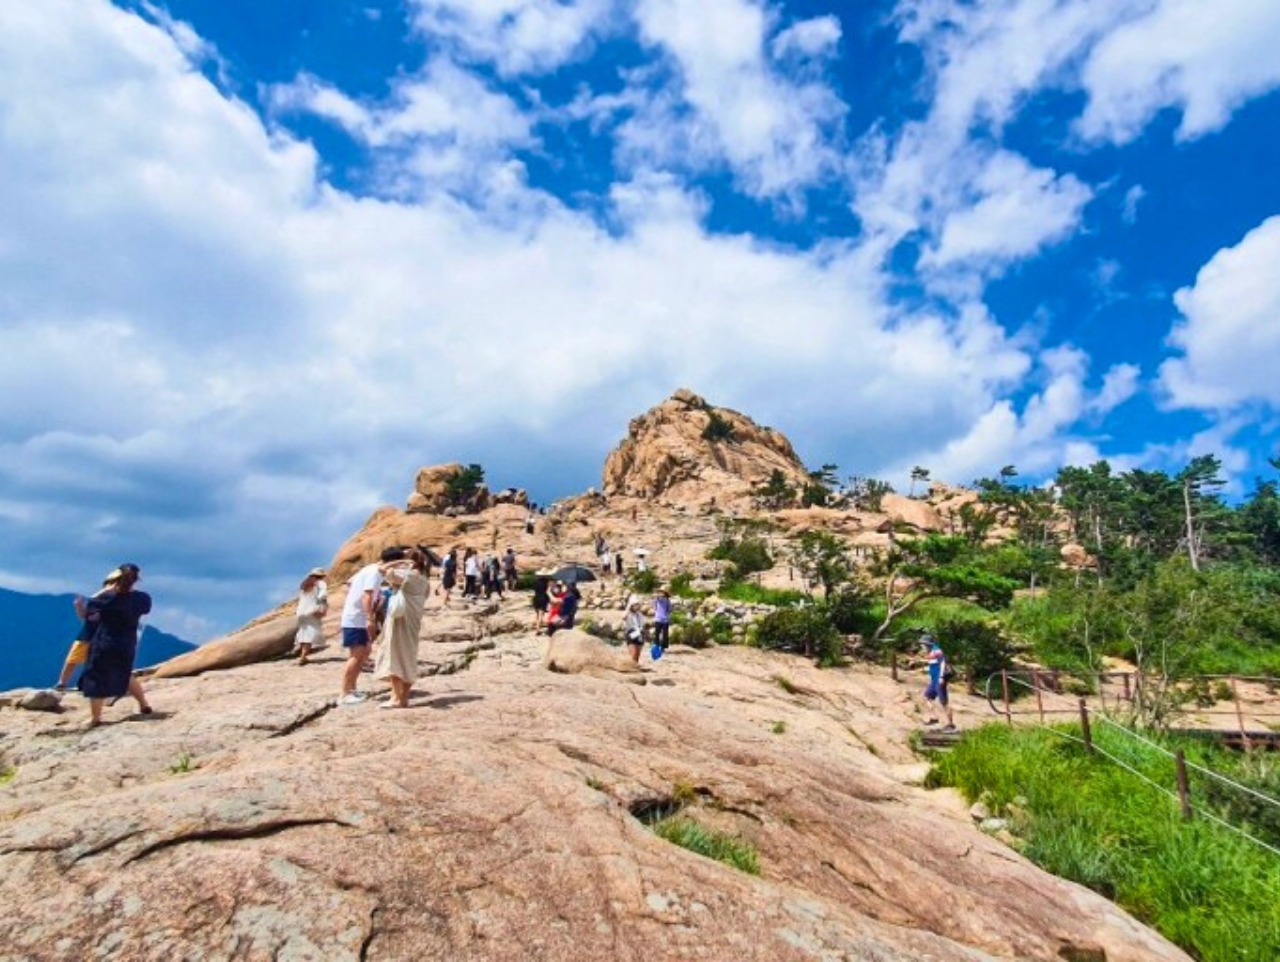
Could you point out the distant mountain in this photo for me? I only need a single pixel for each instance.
(37, 630)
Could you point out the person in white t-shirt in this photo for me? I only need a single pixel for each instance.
(358, 628)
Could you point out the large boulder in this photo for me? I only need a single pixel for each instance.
(685, 451)
(574, 652)
(431, 491)
(920, 515)
(261, 641)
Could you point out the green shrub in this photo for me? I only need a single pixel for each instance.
(753, 594)
(976, 649)
(850, 612)
(695, 634)
(525, 580)
(721, 627)
(681, 586)
(748, 554)
(643, 582)
(731, 850)
(803, 630)
(718, 428)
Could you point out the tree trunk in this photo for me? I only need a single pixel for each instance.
(1192, 553)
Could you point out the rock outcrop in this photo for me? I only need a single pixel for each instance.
(686, 451)
(432, 495)
(505, 815)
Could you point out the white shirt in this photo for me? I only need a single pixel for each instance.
(471, 567)
(368, 578)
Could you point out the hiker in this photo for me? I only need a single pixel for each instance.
(529, 520)
(509, 568)
(486, 576)
(114, 615)
(567, 611)
(495, 577)
(448, 574)
(661, 622)
(556, 596)
(470, 574)
(617, 562)
(398, 652)
(606, 561)
(633, 628)
(359, 628)
(313, 605)
(541, 597)
(80, 645)
(939, 675)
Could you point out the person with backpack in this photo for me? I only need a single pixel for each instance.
(940, 674)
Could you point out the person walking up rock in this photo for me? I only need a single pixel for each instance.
(114, 614)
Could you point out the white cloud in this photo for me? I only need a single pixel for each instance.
(217, 364)
(517, 36)
(816, 37)
(1205, 59)
(1040, 438)
(1229, 332)
(441, 129)
(1015, 209)
(774, 130)
(1132, 198)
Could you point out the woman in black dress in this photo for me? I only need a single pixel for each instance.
(113, 616)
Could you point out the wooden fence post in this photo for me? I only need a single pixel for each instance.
(1035, 681)
(1235, 696)
(1184, 789)
(1004, 684)
(893, 666)
(1127, 696)
(1084, 726)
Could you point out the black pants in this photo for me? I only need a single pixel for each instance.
(661, 634)
(470, 587)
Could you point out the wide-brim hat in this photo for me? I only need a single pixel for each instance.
(316, 573)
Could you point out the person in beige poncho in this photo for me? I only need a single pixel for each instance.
(398, 647)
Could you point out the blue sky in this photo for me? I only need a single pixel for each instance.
(260, 261)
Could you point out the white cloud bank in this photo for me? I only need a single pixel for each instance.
(1229, 333)
(215, 363)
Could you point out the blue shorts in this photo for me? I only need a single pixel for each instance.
(936, 690)
(355, 637)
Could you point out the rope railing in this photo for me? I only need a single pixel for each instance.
(1181, 766)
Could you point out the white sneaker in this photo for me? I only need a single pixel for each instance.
(353, 698)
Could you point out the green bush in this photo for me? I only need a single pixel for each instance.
(695, 634)
(525, 580)
(681, 586)
(753, 594)
(643, 582)
(748, 554)
(976, 649)
(803, 630)
(850, 612)
(721, 627)
(718, 428)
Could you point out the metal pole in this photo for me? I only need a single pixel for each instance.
(1085, 731)
(1004, 684)
(1184, 789)
(1035, 681)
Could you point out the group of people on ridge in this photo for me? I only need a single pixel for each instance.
(385, 603)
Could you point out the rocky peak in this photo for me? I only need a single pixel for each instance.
(686, 450)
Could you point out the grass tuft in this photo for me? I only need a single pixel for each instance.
(729, 849)
(1090, 821)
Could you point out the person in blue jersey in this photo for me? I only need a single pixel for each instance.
(114, 615)
(939, 676)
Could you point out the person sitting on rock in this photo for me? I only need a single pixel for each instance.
(633, 627)
(567, 611)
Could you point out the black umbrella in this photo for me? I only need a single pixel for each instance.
(572, 574)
